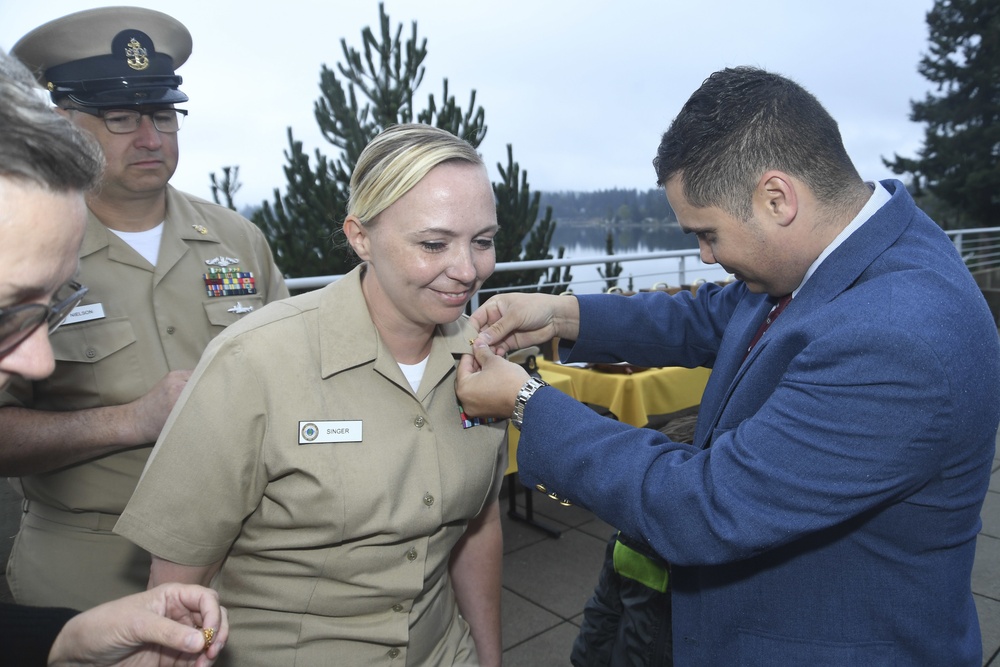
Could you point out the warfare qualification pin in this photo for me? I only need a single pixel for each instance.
(240, 309)
(222, 261)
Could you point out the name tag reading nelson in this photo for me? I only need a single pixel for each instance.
(333, 431)
(92, 311)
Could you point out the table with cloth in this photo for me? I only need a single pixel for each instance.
(630, 396)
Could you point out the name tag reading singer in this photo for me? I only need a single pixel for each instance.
(329, 431)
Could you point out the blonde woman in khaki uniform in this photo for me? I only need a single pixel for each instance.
(151, 257)
(347, 514)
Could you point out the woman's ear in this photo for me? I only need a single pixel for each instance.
(357, 236)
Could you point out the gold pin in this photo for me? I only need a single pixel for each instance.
(200, 229)
(209, 635)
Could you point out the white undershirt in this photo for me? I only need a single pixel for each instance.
(145, 243)
(414, 373)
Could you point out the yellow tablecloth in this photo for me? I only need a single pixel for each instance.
(632, 398)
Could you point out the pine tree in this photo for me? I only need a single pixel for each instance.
(517, 212)
(372, 89)
(958, 164)
(228, 186)
(301, 225)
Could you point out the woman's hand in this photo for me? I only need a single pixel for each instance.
(487, 384)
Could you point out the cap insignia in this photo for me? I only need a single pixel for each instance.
(136, 56)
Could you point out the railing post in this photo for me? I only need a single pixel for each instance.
(958, 242)
(680, 271)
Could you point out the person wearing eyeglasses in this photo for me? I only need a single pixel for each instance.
(46, 164)
(165, 271)
(19, 323)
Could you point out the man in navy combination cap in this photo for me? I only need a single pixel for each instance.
(102, 59)
(166, 272)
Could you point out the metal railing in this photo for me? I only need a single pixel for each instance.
(669, 267)
(980, 248)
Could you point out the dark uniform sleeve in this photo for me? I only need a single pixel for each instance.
(27, 633)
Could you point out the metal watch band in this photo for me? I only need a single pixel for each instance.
(526, 392)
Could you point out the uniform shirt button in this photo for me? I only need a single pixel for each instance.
(171, 330)
(419, 421)
(411, 555)
(394, 653)
(397, 608)
(91, 353)
(428, 500)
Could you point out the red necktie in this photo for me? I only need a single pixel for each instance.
(771, 317)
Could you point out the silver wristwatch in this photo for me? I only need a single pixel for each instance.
(527, 390)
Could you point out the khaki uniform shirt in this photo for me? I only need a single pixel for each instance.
(301, 455)
(145, 322)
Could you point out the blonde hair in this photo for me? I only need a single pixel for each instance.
(395, 161)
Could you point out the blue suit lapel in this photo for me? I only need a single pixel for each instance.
(742, 326)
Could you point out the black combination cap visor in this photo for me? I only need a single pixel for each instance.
(136, 76)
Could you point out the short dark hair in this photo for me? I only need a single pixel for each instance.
(743, 121)
(37, 145)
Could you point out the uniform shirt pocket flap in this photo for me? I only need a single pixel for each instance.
(223, 312)
(91, 342)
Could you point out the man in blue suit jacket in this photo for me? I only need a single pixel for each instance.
(828, 509)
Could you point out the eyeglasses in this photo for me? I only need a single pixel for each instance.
(19, 322)
(126, 121)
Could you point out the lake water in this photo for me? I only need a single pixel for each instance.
(589, 240)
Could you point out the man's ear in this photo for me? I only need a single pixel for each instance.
(776, 197)
(357, 236)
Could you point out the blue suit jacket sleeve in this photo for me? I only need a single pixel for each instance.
(764, 481)
(656, 329)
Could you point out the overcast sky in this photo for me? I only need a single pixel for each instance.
(582, 89)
